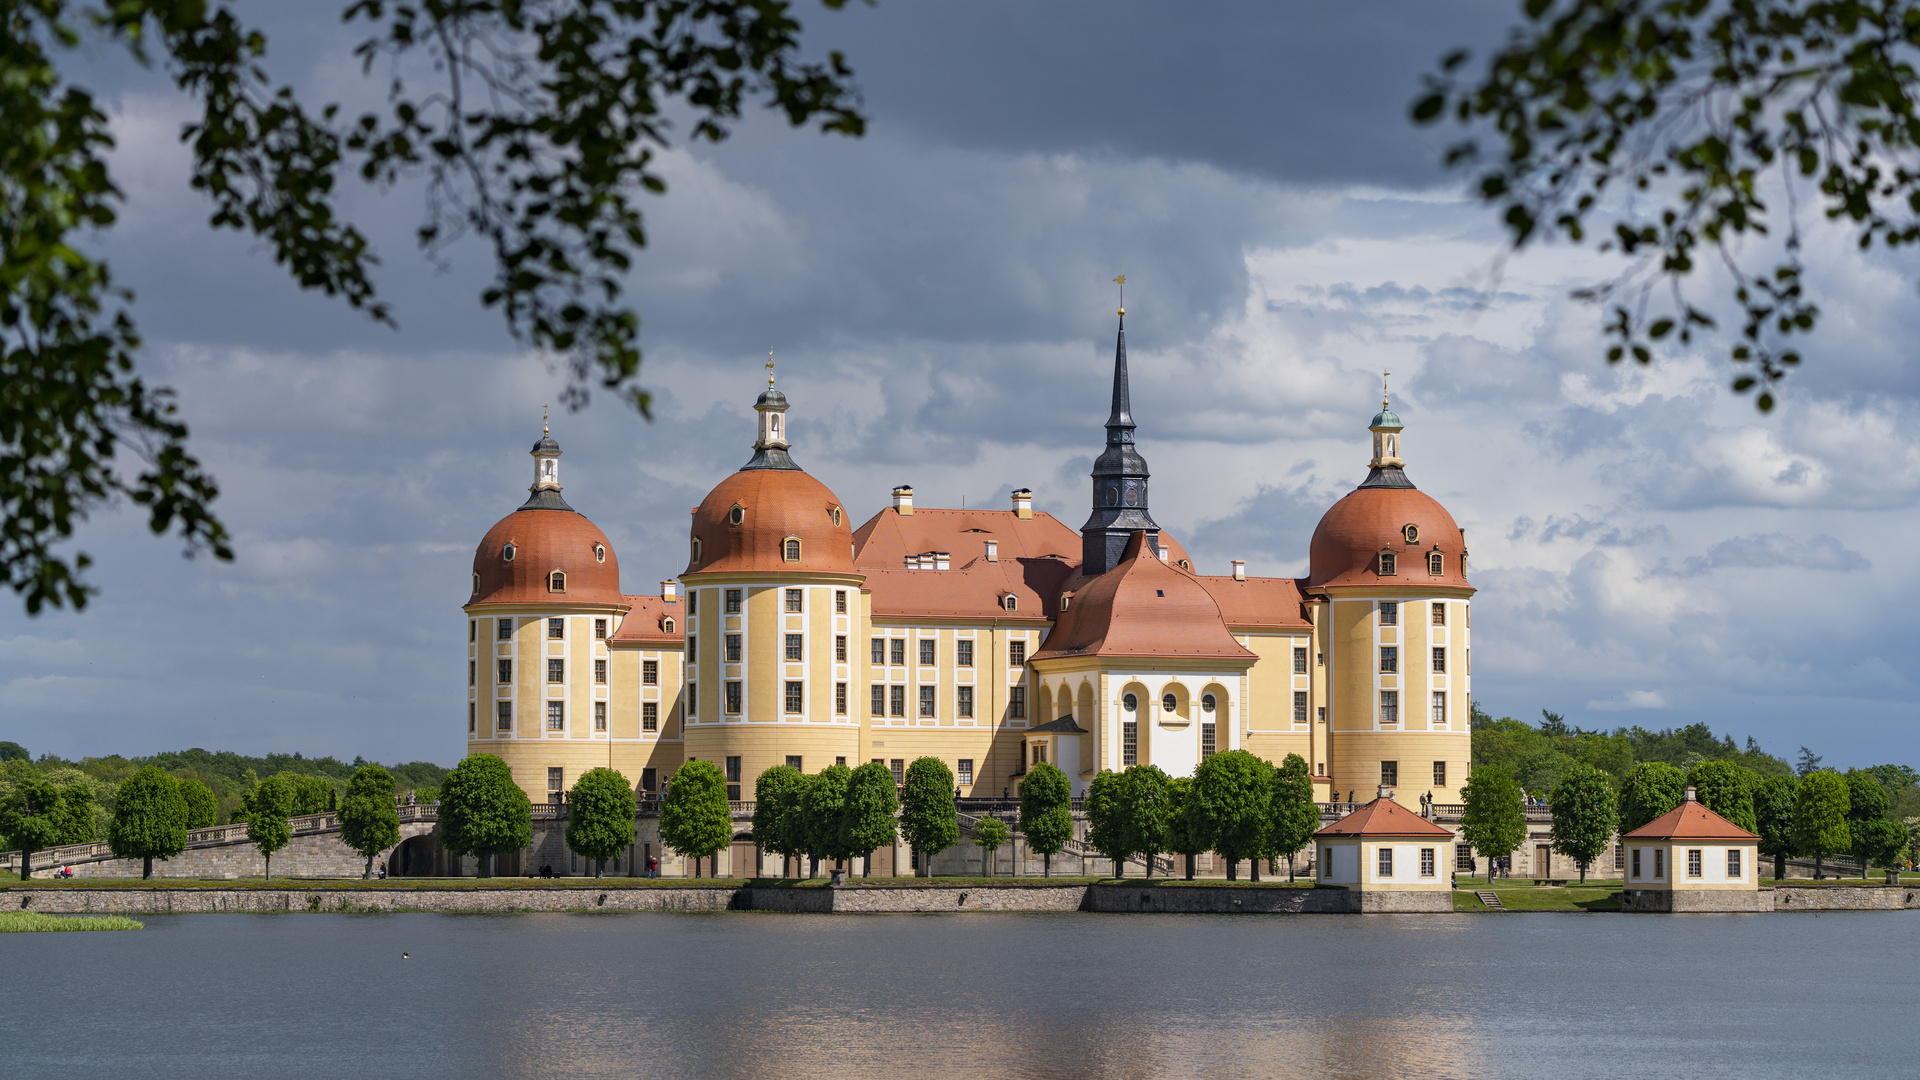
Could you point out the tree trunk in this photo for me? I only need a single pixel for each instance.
(1779, 867)
(1046, 863)
(369, 874)
(146, 866)
(26, 864)
(480, 865)
(1119, 868)
(1290, 871)
(1583, 871)
(269, 876)
(1190, 867)
(1150, 858)
(1819, 874)
(813, 865)
(1255, 865)
(1233, 870)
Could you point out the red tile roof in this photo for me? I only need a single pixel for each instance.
(1142, 607)
(1691, 821)
(1258, 603)
(1384, 817)
(1035, 554)
(544, 541)
(642, 626)
(1348, 541)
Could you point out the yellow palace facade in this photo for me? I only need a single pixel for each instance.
(991, 639)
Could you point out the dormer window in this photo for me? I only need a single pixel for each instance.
(666, 624)
(506, 553)
(834, 513)
(1386, 564)
(696, 549)
(476, 584)
(1436, 563)
(557, 581)
(736, 515)
(1411, 532)
(790, 549)
(600, 553)
(1011, 602)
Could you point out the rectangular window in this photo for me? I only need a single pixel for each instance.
(899, 652)
(600, 629)
(963, 653)
(1299, 706)
(1130, 743)
(1389, 773)
(556, 716)
(1320, 713)
(733, 697)
(793, 599)
(733, 648)
(793, 762)
(1439, 708)
(556, 628)
(1619, 857)
(650, 716)
(693, 650)
(733, 601)
(926, 701)
(839, 699)
(1439, 614)
(1209, 741)
(1439, 661)
(1388, 564)
(733, 770)
(1386, 861)
(506, 630)
(1299, 661)
(897, 703)
(1463, 857)
(1389, 613)
(796, 694)
(1659, 863)
(650, 673)
(649, 780)
(1389, 706)
(926, 652)
(1389, 659)
(473, 718)
(599, 716)
(1427, 861)
(1016, 653)
(840, 601)
(556, 779)
(841, 761)
(879, 700)
(964, 774)
(793, 646)
(505, 671)
(473, 672)
(899, 769)
(1039, 753)
(1694, 867)
(879, 655)
(693, 601)
(556, 670)
(692, 699)
(963, 702)
(840, 648)
(503, 719)
(1439, 774)
(600, 672)
(1017, 703)
(1733, 864)
(473, 630)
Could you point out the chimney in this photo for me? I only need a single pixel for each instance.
(1023, 503)
(903, 500)
(1386, 792)
(670, 591)
(1239, 569)
(1692, 796)
(993, 551)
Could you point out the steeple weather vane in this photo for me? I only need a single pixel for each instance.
(769, 368)
(1122, 282)
(544, 430)
(1383, 388)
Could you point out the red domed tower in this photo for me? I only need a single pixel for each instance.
(1388, 564)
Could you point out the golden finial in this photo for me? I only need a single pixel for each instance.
(543, 420)
(1383, 388)
(769, 369)
(1122, 282)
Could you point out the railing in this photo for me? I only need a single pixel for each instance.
(1079, 847)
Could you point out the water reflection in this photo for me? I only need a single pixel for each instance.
(752, 995)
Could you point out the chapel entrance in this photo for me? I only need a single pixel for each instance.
(1543, 860)
(743, 860)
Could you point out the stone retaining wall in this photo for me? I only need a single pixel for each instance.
(119, 901)
(930, 898)
(1862, 897)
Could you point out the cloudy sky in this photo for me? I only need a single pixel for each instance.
(1648, 549)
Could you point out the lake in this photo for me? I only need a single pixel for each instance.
(744, 994)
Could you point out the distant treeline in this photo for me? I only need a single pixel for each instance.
(1537, 756)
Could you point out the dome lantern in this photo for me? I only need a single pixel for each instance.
(1386, 434)
(770, 449)
(545, 489)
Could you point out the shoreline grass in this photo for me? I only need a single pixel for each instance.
(33, 922)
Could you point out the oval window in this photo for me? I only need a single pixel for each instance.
(506, 553)
(1411, 532)
(1169, 703)
(1130, 703)
(600, 553)
(835, 515)
(1206, 703)
(1113, 495)
(1133, 495)
(736, 515)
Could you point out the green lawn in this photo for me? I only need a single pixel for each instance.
(31, 922)
(358, 884)
(1544, 898)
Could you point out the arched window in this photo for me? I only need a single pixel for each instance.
(1012, 602)
(476, 583)
(791, 549)
(1206, 703)
(737, 515)
(600, 553)
(667, 624)
(1130, 703)
(696, 549)
(1386, 564)
(1436, 563)
(1169, 703)
(506, 553)
(557, 581)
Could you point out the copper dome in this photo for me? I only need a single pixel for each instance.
(544, 541)
(774, 505)
(1370, 521)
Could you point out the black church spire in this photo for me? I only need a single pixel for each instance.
(1119, 481)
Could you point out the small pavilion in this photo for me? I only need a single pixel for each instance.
(1389, 857)
(1692, 859)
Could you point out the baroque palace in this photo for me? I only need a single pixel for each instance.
(989, 639)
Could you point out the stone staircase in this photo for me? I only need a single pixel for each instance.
(1492, 900)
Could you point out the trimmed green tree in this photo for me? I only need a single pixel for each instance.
(600, 817)
(1046, 812)
(309, 793)
(1820, 818)
(1107, 827)
(1727, 790)
(1234, 790)
(1585, 814)
(1866, 797)
(696, 819)
(872, 811)
(369, 821)
(273, 803)
(929, 820)
(1879, 841)
(1651, 789)
(1189, 833)
(483, 812)
(37, 815)
(149, 819)
(1775, 800)
(1495, 819)
(992, 835)
(825, 812)
(1143, 792)
(1295, 816)
(203, 809)
(777, 818)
